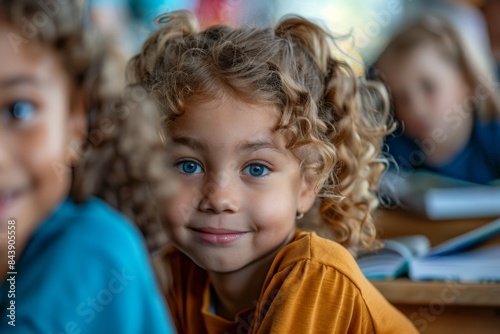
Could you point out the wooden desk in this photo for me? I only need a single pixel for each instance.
(440, 307)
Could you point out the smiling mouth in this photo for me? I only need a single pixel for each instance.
(8, 198)
(217, 237)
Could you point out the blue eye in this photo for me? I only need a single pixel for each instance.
(256, 170)
(21, 111)
(189, 167)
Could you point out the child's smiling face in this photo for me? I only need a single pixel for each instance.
(240, 187)
(36, 127)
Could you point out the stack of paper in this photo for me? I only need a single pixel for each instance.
(435, 196)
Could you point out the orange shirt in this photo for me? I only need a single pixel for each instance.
(313, 286)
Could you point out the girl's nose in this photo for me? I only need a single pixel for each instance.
(417, 106)
(219, 196)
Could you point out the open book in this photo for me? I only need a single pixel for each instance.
(436, 196)
(451, 260)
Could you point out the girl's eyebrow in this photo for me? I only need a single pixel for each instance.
(248, 146)
(259, 145)
(190, 142)
(20, 80)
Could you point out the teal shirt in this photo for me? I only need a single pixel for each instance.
(85, 270)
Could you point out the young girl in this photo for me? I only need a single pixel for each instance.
(447, 111)
(262, 122)
(70, 263)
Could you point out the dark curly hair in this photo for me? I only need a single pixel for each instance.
(334, 121)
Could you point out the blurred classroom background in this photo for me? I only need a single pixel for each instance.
(366, 25)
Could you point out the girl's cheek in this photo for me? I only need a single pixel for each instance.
(181, 205)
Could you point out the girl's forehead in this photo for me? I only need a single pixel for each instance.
(231, 110)
(227, 120)
(28, 57)
(228, 109)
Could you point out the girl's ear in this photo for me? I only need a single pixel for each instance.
(77, 128)
(307, 195)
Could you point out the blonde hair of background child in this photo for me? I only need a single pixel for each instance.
(122, 158)
(439, 32)
(335, 123)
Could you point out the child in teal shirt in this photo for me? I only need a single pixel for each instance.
(85, 270)
(69, 263)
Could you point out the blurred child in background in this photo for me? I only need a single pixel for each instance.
(66, 133)
(447, 110)
(264, 121)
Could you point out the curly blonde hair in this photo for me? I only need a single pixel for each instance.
(335, 122)
(122, 159)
